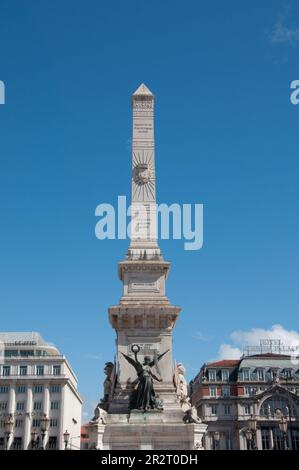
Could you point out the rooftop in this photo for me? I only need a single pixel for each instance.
(224, 363)
(20, 337)
(13, 342)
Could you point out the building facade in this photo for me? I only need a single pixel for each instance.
(39, 400)
(251, 403)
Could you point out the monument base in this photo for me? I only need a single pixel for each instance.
(150, 430)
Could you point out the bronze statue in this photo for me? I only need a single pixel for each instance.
(101, 409)
(144, 398)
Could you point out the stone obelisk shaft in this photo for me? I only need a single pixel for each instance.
(144, 213)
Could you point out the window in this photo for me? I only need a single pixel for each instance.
(26, 352)
(53, 423)
(295, 439)
(4, 389)
(52, 443)
(213, 392)
(21, 389)
(265, 439)
(20, 406)
(273, 373)
(3, 405)
(212, 375)
(278, 439)
(226, 391)
(248, 391)
(261, 374)
(56, 370)
(225, 375)
(11, 353)
(245, 374)
(6, 371)
(23, 370)
(17, 443)
(227, 410)
(247, 409)
(19, 423)
(54, 405)
(39, 370)
(273, 403)
(55, 389)
(37, 405)
(36, 423)
(38, 389)
(214, 410)
(288, 373)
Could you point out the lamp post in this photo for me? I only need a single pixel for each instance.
(66, 438)
(288, 378)
(216, 439)
(248, 435)
(44, 424)
(8, 427)
(289, 418)
(283, 427)
(34, 435)
(252, 423)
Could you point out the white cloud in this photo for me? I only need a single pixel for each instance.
(252, 337)
(284, 34)
(201, 337)
(227, 351)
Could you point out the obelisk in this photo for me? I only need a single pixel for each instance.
(143, 185)
(144, 315)
(144, 318)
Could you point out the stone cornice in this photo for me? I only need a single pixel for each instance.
(143, 266)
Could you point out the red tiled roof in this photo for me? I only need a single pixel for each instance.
(224, 363)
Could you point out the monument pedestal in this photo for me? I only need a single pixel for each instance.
(151, 430)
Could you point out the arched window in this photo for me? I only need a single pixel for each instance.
(272, 404)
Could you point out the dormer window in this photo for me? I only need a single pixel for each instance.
(212, 375)
(287, 374)
(261, 374)
(245, 374)
(273, 373)
(224, 375)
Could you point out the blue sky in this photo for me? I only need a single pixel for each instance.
(226, 136)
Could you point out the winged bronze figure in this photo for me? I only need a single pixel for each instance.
(144, 398)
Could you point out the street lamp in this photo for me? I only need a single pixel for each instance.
(248, 435)
(8, 427)
(216, 439)
(44, 424)
(34, 435)
(289, 418)
(252, 423)
(66, 438)
(283, 427)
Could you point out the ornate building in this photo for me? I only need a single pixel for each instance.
(251, 403)
(39, 402)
